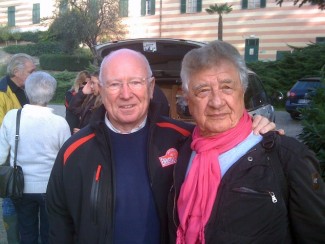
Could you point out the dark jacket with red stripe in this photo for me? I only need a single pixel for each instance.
(80, 193)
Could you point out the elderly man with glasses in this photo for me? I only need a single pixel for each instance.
(110, 181)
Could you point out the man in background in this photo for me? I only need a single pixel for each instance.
(12, 95)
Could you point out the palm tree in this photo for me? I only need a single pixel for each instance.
(220, 9)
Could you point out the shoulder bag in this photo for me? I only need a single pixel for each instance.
(12, 178)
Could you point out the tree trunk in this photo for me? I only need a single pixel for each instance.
(220, 28)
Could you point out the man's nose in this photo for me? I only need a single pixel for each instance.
(125, 91)
(216, 98)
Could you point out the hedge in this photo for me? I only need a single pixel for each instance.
(35, 49)
(60, 62)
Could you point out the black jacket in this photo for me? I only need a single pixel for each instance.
(80, 193)
(256, 204)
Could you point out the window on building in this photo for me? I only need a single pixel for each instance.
(252, 4)
(320, 39)
(11, 16)
(191, 6)
(124, 8)
(148, 7)
(36, 13)
(280, 54)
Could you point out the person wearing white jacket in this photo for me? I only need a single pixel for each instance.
(42, 133)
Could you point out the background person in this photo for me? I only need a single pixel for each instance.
(86, 101)
(12, 95)
(42, 133)
(81, 80)
(110, 181)
(227, 189)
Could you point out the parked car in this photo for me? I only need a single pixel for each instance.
(165, 56)
(299, 95)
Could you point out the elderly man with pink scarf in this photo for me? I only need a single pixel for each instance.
(226, 188)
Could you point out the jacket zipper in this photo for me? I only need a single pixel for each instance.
(94, 192)
(247, 190)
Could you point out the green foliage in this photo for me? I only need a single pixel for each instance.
(320, 3)
(65, 80)
(60, 62)
(87, 22)
(65, 76)
(16, 36)
(83, 52)
(3, 70)
(281, 75)
(7, 34)
(220, 9)
(35, 49)
(4, 33)
(31, 36)
(313, 132)
(69, 29)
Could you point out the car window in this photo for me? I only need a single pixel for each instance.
(304, 85)
(255, 95)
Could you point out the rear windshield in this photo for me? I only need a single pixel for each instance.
(304, 85)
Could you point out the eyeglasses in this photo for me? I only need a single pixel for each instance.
(134, 84)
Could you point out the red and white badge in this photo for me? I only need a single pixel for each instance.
(169, 158)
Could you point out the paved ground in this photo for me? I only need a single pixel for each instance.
(3, 235)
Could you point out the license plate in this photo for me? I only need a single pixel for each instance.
(303, 101)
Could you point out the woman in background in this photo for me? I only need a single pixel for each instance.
(86, 101)
(42, 133)
(81, 80)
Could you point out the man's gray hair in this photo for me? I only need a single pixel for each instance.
(40, 88)
(209, 56)
(17, 62)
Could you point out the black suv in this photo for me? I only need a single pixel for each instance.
(165, 56)
(298, 96)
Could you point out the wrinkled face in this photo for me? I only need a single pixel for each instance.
(21, 75)
(126, 92)
(216, 99)
(94, 85)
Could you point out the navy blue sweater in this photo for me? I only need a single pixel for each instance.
(136, 217)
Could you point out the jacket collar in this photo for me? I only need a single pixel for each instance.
(99, 114)
(4, 83)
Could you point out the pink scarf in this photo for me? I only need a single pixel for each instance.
(200, 187)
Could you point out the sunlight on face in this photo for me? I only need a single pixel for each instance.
(216, 98)
(127, 108)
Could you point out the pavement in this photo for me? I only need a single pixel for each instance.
(3, 235)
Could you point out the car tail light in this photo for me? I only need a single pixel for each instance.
(291, 94)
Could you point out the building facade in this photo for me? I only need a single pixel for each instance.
(260, 29)
(25, 15)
